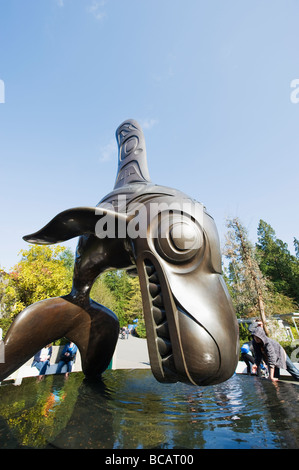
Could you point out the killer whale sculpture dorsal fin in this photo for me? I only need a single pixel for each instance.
(132, 161)
(132, 168)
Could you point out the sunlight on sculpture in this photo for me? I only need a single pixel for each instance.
(171, 243)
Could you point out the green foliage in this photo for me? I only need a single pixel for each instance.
(289, 347)
(68, 258)
(102, 294)
(140, 329)
(5, 324)
(264, 275)
(278, 304)
(121, 293)
(43, 272)
(119, 285)
(247, 284)
(244, 333)
(277, 263)
(269, 264)
(135, 308)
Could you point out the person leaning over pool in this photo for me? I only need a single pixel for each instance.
(273, 354)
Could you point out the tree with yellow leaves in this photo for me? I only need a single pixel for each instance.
(43, 272)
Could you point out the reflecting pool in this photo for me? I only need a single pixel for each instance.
(129, 409)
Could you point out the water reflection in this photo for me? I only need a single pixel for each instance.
(131, 410)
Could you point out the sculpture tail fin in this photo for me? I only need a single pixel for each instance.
(93, 329)
(132, 161)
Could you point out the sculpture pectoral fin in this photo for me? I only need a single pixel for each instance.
(72, 223)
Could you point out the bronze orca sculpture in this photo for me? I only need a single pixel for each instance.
(171, 242)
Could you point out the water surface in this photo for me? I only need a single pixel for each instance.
(129, 409)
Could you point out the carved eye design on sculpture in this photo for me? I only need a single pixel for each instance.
(179, 238)
(124, 130)
(129, 147)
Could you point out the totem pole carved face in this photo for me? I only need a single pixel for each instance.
(132, 164)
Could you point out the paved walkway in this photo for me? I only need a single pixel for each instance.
(131, 353)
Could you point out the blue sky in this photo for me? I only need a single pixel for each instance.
(209, 81)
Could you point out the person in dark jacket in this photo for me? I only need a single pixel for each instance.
(273, 354)
(67, 358)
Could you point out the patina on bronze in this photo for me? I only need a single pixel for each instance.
(171, 243)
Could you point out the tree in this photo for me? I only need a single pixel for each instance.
(248, 280)
(68, 258)
(119, 284)
(135, 308)
(121, 293)
(277, 263)
(296, 246)
(43, 272)
(244, 271)
(102, 294)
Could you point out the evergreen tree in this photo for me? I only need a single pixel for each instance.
(101, 293)
(277, 263)
(296, 246)
(121, 293)
(134, 308)
(244, 272)
(120, 286)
